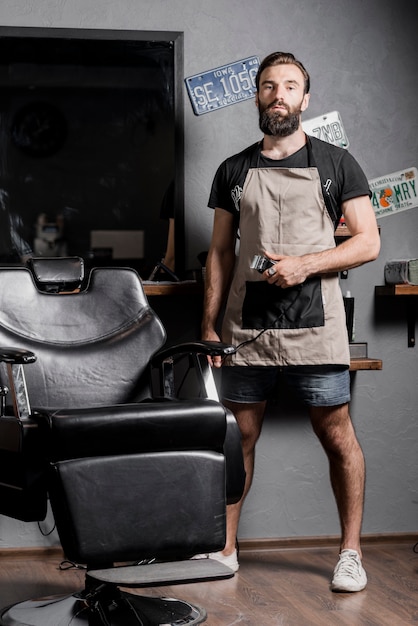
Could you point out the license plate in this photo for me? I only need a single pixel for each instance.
(395, 192)
(328, 127)
(223, 86)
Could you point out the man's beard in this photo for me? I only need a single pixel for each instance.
(276, 124)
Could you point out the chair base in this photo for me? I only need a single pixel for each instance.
(103, 603)
(111, 607)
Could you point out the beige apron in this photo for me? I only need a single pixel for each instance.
(283, 211)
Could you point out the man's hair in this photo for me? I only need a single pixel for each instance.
(282, 58)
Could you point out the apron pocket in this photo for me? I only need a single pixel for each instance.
(268, 306)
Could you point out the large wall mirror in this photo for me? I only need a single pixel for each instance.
(91, 145)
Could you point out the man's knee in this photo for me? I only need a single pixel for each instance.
(334, 428)
(249, 419)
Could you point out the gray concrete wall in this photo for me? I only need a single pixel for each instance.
(362, 60)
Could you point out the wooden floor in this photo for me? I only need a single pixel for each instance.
(273, 586)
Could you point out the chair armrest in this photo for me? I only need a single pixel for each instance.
(16, 356)
(208, 348)
(197, 353)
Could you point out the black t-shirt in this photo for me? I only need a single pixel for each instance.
(341, 176)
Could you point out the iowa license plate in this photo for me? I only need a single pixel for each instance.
(328, 127)
(223, 86)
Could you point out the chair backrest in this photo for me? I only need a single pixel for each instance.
(93, 345)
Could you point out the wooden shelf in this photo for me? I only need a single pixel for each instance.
(342, 232)
(183, 288)
(365, 364)
(396, 290)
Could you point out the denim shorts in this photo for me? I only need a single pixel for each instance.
(313, 385)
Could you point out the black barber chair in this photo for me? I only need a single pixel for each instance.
(138, 481)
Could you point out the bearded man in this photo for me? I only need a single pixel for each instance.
(282, 199)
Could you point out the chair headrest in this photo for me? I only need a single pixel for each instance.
(57, 274)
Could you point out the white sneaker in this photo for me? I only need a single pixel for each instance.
(349, 574)
(230, 561)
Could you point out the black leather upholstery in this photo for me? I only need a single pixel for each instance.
(54, 276)
(92, 347)
(132, 468)
(129, 476)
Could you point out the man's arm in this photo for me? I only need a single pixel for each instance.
(219, 267)
(363, 246)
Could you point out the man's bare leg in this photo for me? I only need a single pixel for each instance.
(250, 419)
(335, 431)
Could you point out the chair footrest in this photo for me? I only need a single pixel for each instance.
(172, 572)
